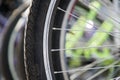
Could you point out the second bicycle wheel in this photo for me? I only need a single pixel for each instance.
(72, 40)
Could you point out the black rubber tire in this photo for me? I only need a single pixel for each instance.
(34, 62)
(5, 71)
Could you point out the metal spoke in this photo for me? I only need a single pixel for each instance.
(59, 29)
(89, 47)
(102, 31)
(82, 69)
(117, 78)
(103, 70)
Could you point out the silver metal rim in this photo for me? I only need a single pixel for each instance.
(45, 40)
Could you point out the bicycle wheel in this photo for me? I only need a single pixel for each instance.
(16, 50)
(47, 47)
(5, 70)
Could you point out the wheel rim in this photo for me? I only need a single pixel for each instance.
(45, 40)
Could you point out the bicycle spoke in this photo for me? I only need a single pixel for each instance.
(59, 29)
(82, 69)
(115, 72)
(102, 31)
(104, 46)
(103, 70)
(117, 78)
